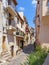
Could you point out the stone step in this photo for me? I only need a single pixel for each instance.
(19, 51)
(6, 55)
(9, 59)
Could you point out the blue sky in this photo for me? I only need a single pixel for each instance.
(29, 9)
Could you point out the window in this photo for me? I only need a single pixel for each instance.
(9, 2)
(4, 38)
(17, 29)
(9, 22)
(22, 25)
(48, 4)
(18, 20)
(38, 2)
(17, 32)
(3, 28)
(9, 19)
(37, 15)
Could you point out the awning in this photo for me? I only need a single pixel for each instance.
(11, 10)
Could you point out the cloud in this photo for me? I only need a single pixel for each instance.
(21, 8)
(34, 2)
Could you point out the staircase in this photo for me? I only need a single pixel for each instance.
(6, 56)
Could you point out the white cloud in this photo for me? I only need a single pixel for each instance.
(34, 2)
(21, 8)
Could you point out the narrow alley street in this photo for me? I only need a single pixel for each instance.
(22, 57)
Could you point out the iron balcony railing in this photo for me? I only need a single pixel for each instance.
(20, 33)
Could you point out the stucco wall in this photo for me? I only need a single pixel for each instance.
(44, 32)
(21, 28)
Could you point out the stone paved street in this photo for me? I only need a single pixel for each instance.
(21, 58)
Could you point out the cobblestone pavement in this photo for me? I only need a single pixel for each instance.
(46, 61)
(22, 57)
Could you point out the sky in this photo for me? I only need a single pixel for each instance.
(28, 7)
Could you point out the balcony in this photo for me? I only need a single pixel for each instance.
(11, 10)
(11, 18)
(11, 26)
(20, 34)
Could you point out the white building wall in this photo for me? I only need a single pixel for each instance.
(5, 3)
(21, 15)
(44, 7)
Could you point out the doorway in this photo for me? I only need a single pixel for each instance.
(4, 43)
(22, 44)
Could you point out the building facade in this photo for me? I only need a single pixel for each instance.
(12, 27)
(32, 35)
(42, 22)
